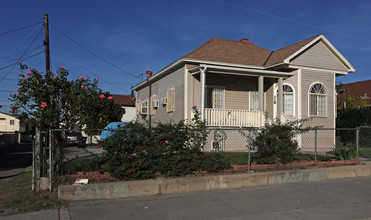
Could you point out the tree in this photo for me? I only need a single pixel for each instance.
(61, 103)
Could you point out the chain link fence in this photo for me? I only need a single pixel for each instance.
(237, 143)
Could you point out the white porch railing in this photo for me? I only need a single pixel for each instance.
(234, 117)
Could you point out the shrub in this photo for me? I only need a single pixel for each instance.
(84, 165)
(170, 149)
(214, 162)
(342, 152)
(275, 142)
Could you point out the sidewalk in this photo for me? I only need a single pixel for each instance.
(42, 215)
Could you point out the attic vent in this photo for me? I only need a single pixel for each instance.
(245, 41)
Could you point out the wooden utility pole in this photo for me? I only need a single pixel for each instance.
(46, 42)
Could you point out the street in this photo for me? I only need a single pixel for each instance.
(338, 199)
(14, 159)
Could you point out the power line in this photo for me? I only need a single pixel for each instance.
(22, 55)
(73, 60)
(94, 54)
(18, 42)
(7, 91)
(16, 61)
(287, 19)
(17, 53)
(23, 59)
(21, 28)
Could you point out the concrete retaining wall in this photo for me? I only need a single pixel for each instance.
(208, 182)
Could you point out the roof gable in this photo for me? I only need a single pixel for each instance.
(321, 38)
(280, 55)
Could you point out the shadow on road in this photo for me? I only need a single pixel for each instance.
(15, 156)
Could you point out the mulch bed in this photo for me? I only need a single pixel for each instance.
(297, 164)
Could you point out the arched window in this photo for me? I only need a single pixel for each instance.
(317, 100)
(288, 100)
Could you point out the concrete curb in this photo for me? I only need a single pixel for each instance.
(203, 183)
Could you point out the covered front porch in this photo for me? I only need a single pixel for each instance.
(238, 97)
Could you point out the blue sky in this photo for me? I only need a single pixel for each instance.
(137, 36)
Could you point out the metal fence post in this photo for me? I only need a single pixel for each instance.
(357, 141)
(248, 150)
(315, 146)
(50, 158)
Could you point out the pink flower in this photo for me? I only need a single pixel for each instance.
(20, 62)
(62, 68)
(18, 92)
(109, 97)
(81, 77)
(101, 96)
(10, 94)
(82, 86)
(87, 77)
(12, 109)
(97, 79)
(43, 104)
(194, 107)
(29, 73)
(55, 77)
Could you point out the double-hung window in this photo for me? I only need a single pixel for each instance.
(144, 107)
(215, 97)
(317, 100)
(288, 100)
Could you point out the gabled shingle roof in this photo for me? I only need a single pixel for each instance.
(358, 90)
(230, 51)
(125, 100)
(241, 52)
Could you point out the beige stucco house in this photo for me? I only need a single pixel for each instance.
(9, 129)
(234, 83)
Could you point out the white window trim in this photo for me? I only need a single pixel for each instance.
(141, 108)
(326, 95)
(293, 98)
(216, 87)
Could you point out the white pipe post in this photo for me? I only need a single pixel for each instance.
(202, 78)
(280, 98)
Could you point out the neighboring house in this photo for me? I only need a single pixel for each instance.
(9, 129)
(361, 92)
(233, 83)
(128, 103)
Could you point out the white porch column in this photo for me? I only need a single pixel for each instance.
(202, 79)
(261, 93)
(280, 98)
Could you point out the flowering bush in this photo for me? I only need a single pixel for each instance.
(61, 103)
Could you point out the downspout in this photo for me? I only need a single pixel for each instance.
(149, 104)
(203, 80)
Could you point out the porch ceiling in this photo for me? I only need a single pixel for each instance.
(238, 71)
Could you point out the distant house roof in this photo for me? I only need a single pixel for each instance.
(243, 52)
(124, 100)
(360, 90)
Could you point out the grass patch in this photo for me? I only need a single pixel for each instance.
(365, 152)
(17, 196)
(239, 158)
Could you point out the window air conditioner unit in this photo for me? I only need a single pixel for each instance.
(163, 101)
(155, 103)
